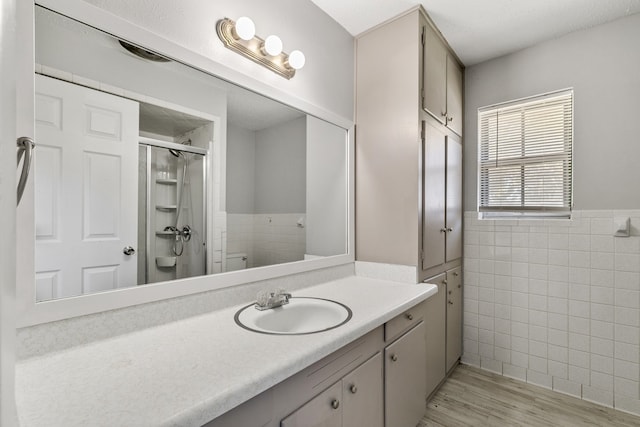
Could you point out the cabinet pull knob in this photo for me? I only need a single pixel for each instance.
(444, 282)
(450, 292)
(450, 302)
(394, 357)
(449, 229)
(335, 403)
(459, 286)
(353, 389)
(455, 273)
(409, 316)
(443, 230)
(449, 119)
(444, 114)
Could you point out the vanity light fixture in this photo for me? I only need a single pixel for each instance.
(240, 37)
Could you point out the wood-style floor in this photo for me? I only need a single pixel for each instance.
(472, 397)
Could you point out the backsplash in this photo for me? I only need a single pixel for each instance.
(556, 303)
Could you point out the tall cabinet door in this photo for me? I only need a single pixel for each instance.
(454, 199)
(454, 316)
(435, 75)
(454, 95)
(433, 215)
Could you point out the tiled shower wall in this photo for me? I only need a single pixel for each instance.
(556, 303)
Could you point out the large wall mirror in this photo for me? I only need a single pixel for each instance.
(147, 170)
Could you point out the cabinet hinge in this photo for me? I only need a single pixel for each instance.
(423, 131)
(422, 35)
(422, 255)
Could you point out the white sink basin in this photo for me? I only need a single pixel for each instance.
(301, 316)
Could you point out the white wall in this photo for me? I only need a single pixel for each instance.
(557, 302)
(327, 78)
(601, 64)
(241, 158)
(326, 189)
(280, 168)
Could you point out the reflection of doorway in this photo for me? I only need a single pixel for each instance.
(85, 182)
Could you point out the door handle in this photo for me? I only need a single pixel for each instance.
(25, 148)
(128, 250)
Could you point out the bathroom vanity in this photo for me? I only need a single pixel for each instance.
(190, 372)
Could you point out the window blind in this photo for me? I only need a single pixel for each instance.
(525, 156)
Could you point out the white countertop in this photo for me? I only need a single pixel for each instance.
(191, 371)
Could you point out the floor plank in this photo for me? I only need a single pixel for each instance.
(473, 397)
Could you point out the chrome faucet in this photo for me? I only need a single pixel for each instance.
(267, 300)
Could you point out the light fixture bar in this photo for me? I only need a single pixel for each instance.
(252, 49)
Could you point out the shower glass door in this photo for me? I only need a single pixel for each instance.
(172, 204)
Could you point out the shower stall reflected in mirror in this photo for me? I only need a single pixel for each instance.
(171, 211)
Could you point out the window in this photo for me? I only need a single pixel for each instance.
(525, 157)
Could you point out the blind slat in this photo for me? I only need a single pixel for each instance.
(525, 156)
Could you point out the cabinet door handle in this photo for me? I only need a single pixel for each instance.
(335, 403)
(449, 119)
(455, 273)
(353, 389)
(443, 230)
(450, 302)
(394, 357)
(444, 114)
(128, 250)
(444, 282)
(449, 229)
(409, 316)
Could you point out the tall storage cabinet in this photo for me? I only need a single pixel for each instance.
(408, 163)
(409, 168)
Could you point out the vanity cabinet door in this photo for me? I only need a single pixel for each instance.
(435, 334)
(324, 410)
(405, 388)
(362, 395)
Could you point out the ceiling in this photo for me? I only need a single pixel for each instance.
(479, 30)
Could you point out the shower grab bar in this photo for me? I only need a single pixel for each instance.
(25, 148)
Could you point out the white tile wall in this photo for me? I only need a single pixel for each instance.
(556, 303)
(267, 238)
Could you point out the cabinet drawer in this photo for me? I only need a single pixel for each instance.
(403, 322)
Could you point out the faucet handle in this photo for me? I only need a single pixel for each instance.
(262, 297)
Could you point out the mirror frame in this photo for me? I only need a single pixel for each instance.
(31, 313)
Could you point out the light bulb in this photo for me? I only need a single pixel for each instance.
(245, 28)
(296, 59)
(273, 45)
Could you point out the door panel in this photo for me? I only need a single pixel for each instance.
(405, 388)
(319, 411)
(86, 172)
(433, 221)
(435, 334)
(454, 316)
(454, 200)
(435, 75)
(454, 96)
(362, 395)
